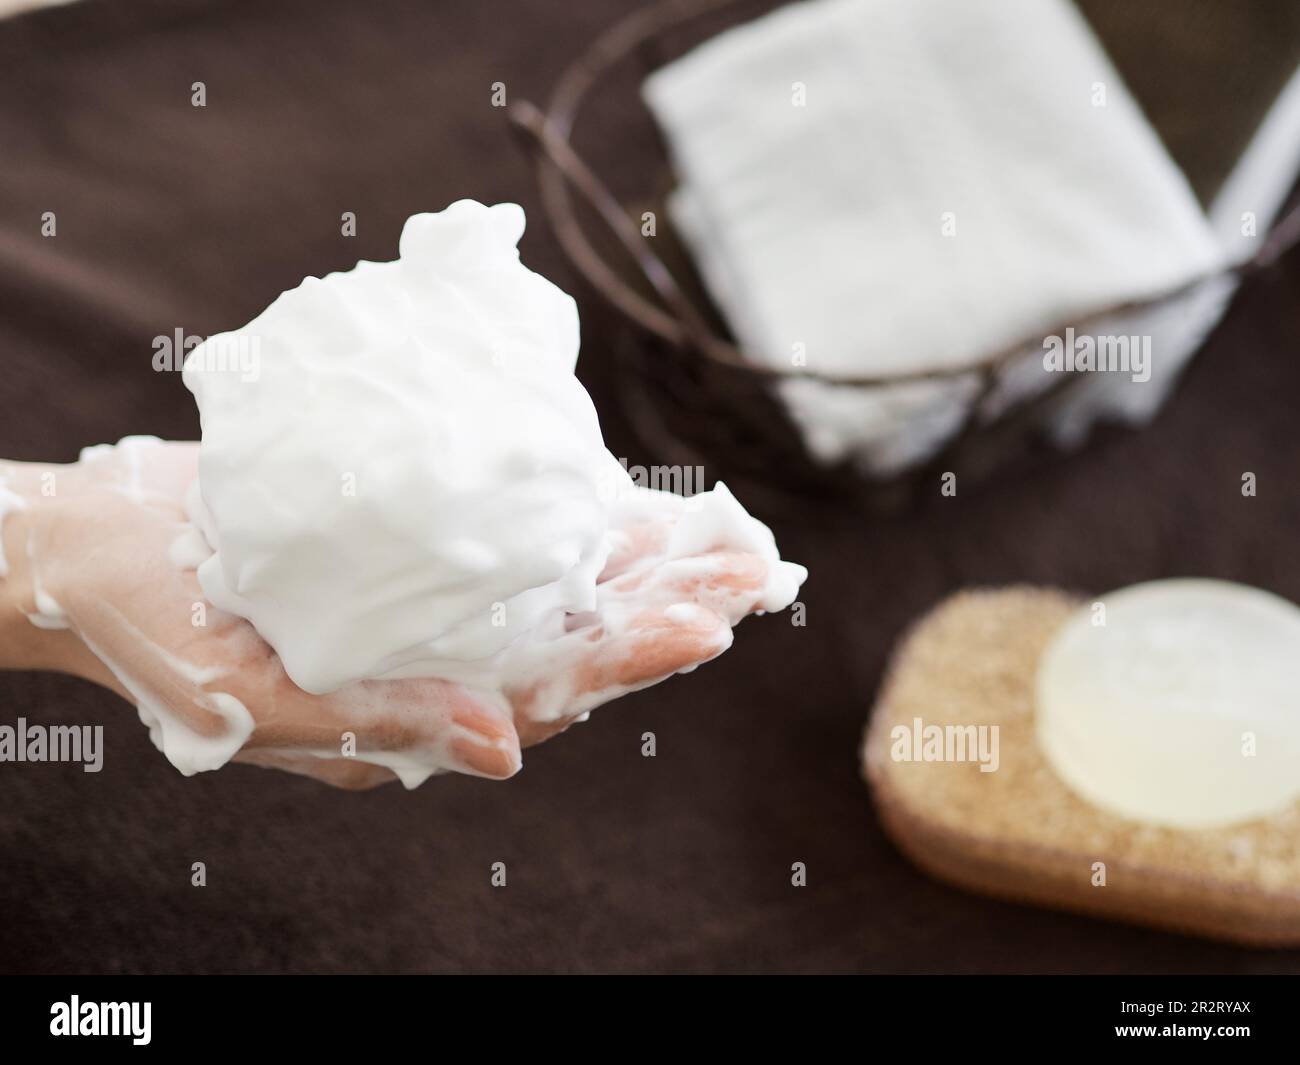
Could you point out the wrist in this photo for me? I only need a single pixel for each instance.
(24, 509)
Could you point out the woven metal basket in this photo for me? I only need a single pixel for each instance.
(692, 395)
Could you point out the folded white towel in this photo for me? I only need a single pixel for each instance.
(889, 186)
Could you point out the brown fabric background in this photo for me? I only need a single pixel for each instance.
(1204, 71)
(173, 217)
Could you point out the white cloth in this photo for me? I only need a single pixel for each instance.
(1241, 216)
(886, 186)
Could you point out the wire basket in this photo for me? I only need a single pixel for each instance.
(693, 397)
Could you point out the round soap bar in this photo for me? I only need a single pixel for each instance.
(1176, 702)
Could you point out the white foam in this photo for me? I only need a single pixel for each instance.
(415, 483)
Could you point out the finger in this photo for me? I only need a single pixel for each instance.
(437, 722)
(616, 659)
(488, 744)
(729, 583)
(642, 527)
(429, 722)
(732, 584)
(432, 725)
(656, 644)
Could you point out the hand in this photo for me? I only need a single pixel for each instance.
(94, 552)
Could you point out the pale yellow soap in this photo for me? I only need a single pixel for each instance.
(1176, 702)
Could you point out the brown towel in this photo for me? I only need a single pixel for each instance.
(175, 217)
